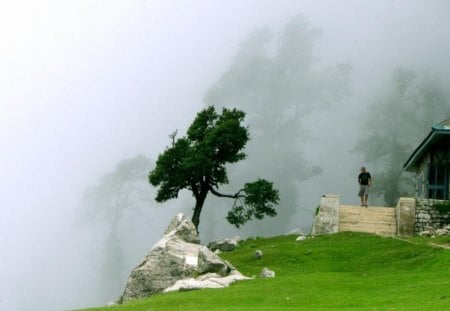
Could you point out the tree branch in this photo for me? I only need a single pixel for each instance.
(172, 136)
(231, 196)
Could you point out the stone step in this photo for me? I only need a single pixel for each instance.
(380, 231)
(373, 219)
(361, 226)
(370, 209)
(366, 218)
(365, 213)
(365, 225)
(345, 227)
(359, 218)
(370, 206)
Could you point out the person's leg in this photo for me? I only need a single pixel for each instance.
(361, 194)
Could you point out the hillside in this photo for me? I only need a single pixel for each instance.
(346, 271)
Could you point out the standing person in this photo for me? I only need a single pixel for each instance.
(364, 180)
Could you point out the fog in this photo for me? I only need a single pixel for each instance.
(85, 85)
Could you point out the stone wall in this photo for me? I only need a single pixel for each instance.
(327, 218)
(405, 216)
(427, 216)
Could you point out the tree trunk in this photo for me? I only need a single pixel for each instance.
(199, 201)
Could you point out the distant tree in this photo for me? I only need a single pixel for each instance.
(397, 121)
(121, 191)
(117, 192)
(197, 162)
(277, 80)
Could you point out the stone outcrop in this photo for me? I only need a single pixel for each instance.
(224, 245)
(177, 256)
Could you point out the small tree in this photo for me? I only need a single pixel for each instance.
(197, 162)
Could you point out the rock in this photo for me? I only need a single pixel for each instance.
(183, 228)
(208, 262)
(210, 280)
(295, 232)
(177, 256)
(224, 245)
(441, 232)
(267, 273)
(232, 268)
(258, 254)
(426, 233)
(301, 238)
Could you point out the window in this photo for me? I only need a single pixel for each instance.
(438, 182)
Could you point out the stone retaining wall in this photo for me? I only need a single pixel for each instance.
(327, 218)
(426, 215)
(405, 216)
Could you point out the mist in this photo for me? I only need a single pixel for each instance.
(85, 85)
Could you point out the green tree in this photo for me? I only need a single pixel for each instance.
(278, 81)
(395, 124)
(197, 162)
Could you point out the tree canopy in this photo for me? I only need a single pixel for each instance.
(197, 162)
(279, 81)
(399, 118)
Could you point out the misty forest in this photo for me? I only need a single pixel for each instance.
(116, 116)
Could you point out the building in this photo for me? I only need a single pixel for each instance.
(431, 163)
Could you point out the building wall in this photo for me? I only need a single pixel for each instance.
(440, 156)
(426, 215)
(422, 178)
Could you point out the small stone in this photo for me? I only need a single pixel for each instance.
(426, 233)
(267, 273)
(258, 254)
(441, 232)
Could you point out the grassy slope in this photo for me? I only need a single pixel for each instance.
(347, 271)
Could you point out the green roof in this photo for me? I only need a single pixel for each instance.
(438, 133)
(444, 125)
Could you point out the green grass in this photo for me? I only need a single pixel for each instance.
(439, 240)
(345, 271)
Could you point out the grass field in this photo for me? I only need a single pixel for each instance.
(345, 271)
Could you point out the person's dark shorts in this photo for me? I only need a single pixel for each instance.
(363, 189)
